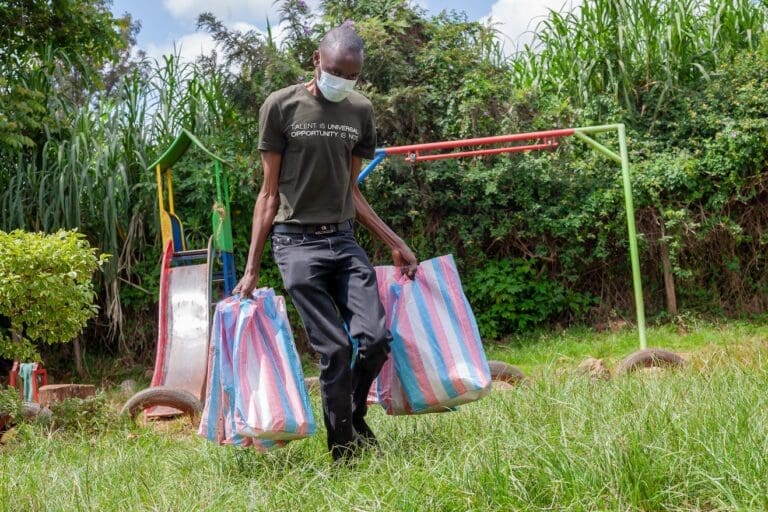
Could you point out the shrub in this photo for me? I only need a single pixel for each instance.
(46, 291)
(90, 416)
(507, 295)
(10, 406)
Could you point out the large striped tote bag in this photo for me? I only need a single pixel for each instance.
(437, 360)
(223, 419)
(271, 401)
(217, 422)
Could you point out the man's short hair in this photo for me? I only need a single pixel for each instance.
(342, 38)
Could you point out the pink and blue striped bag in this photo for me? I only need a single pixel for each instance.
(437, 360)
(255, 394)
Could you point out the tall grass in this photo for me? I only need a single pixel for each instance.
(641, 51)
(89, 173)
(692, 440)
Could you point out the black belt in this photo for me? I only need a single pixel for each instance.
(312, 229)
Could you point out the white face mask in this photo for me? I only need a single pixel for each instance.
(334, 88)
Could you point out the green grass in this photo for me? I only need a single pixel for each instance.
(694, 439)
(539, 352)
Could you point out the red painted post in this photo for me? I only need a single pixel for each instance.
(39, 376)
(14, 374)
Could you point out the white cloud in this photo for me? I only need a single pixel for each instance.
(230, 12)
(243, 26)
(191, 46)
(517, 19)
(227, 10)
(188, 46)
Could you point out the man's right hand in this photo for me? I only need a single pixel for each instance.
(406, 260)
(247, 284)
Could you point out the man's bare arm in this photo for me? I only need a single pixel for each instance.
(401, 253)
(264, 212)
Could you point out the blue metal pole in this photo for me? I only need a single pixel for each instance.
(228, 269)
(377, 159)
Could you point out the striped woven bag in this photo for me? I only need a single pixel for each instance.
(437, 360)
(226, 418)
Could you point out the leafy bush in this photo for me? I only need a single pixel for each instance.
(10, 405)
(507, 296)
(46, 290)
(89, 416)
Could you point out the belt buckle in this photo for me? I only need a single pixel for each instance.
(325, 229)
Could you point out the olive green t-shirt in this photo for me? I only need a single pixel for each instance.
(317, 139)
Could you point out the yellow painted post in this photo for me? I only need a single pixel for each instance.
(159, 187)
(166, 230)
(169, 180)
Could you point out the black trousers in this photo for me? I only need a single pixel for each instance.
(332, 283)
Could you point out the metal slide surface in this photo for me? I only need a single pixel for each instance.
(182, 347)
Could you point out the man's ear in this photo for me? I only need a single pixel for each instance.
(316, 58)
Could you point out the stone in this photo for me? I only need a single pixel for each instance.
(595, 369)
(128, 386)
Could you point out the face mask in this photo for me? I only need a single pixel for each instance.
(334, 88)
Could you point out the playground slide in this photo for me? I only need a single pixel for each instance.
(182, 342)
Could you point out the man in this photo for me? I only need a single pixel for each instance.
(313, 138)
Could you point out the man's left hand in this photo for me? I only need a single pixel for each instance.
(404, 258)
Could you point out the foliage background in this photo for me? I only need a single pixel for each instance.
(540, 238)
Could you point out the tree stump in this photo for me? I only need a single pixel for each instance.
(57, 392)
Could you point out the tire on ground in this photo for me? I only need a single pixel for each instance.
(506, 373)
(162, 395)
(648, 358)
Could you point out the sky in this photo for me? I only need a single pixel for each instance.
(169, 23)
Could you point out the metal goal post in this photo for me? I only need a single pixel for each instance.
(534, 141)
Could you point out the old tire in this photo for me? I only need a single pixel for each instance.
(162, 395)
(650, 358)
(506, 374)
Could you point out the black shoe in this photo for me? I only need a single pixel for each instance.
(346, 453)
(365, 435)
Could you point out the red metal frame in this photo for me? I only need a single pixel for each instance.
(414, 151)
(39, 378)
(417, 157)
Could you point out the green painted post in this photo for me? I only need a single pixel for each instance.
(228, 244)
(623, 159)
(633, 249)
(597, 146)
(220, 217)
